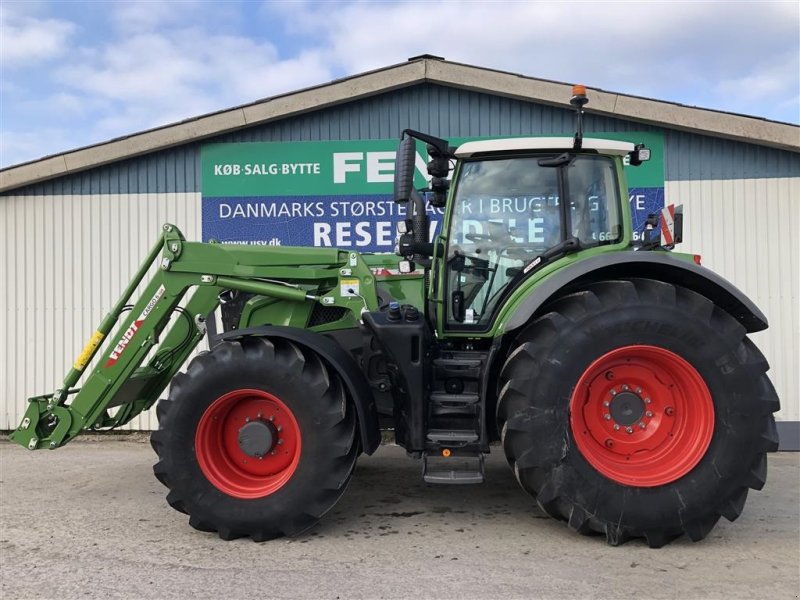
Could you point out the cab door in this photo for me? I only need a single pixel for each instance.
(507, 211)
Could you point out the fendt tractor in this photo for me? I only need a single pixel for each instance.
(617, 375)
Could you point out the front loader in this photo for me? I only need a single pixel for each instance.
(617, 376)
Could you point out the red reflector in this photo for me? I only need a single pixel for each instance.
(697, 258)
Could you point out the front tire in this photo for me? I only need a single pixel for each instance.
(256, 439)
(636, 408)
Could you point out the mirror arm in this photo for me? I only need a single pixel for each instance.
(441, 145)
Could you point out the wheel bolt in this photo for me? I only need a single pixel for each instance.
(647, 401)
(625, 388)
(638, 390)
(629, 429)
(609, 443)
(613, 392)
(641, 424)
(649, 413)
(607, 417)
(247, 419)
(669, 411)
(606, 403)
(272, 417)
(279, 442)
(278, 428)
(260, 415)
(616, 427)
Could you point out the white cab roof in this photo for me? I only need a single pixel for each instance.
(543, 143)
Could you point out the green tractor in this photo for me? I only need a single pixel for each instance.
(618, 377)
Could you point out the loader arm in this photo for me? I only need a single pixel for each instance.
(142, 346)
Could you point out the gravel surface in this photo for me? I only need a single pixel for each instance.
(90, 521)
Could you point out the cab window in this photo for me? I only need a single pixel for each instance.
(508, 211)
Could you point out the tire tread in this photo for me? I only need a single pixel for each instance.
(518, 420)
(337, 421)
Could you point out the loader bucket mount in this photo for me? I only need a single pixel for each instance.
(118, 381)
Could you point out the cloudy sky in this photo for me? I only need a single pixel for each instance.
(76, 73)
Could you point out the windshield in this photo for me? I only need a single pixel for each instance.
(508, 211)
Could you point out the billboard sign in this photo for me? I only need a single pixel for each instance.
(339, 193)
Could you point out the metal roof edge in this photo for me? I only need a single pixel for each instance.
(670, 115)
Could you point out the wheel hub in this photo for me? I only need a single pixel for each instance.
(627, 408)
(248, 443)
(257, 438)
(642, 415)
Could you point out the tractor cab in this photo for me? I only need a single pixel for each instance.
(517, 200)
(514, 206)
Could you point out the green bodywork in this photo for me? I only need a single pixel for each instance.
(151, 340)
(138, 349)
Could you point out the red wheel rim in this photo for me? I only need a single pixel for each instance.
(642, 416)
(223, 461)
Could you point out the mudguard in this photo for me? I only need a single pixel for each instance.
(653, 265)
(340, 360)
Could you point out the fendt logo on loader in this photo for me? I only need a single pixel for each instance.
(126, 337)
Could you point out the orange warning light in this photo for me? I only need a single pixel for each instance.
(578, 90)
(446, 452)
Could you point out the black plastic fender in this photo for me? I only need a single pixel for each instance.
(340, 360)
(653, 265)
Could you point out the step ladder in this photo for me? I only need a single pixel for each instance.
(455, 469)
(455, 439)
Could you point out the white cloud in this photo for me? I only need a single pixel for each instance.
(677, 51)
(20, 146)
(136, 16)
(160, 78)
(156, 63)
(66, 105)
(27, 40)
(767, 84)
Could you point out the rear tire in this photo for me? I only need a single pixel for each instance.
(693, 450)
(281, 474)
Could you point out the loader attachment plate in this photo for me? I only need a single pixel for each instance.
(43, 425)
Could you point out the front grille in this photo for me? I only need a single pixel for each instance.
(320, 315)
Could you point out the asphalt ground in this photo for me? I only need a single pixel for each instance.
(91, 521)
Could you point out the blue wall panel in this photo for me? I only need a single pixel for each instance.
(438, 110)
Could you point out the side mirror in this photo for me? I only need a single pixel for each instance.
(639, 155)
(404, 169)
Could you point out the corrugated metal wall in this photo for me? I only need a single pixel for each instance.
(745, 230)
(65, 261)
(71, 244)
